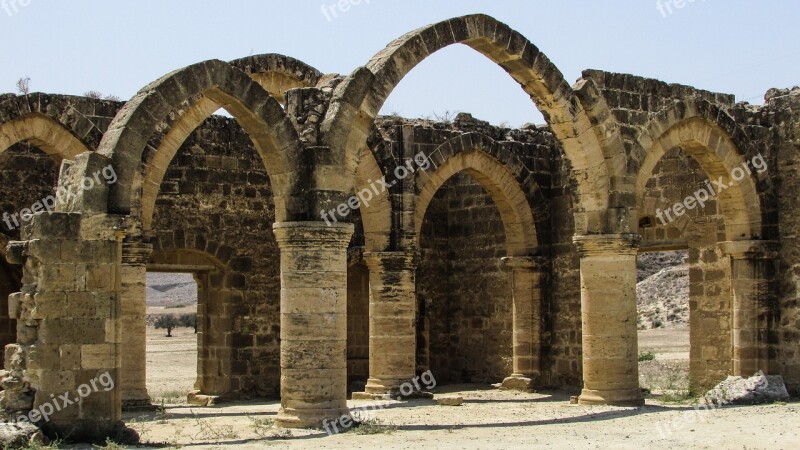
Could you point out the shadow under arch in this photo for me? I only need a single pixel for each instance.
(474, 155)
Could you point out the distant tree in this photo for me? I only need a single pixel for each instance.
(24, 85)
(189, 321)
(168, 322)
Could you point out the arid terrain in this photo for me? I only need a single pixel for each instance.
(489, 418)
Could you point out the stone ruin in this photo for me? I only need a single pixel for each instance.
(502, 254)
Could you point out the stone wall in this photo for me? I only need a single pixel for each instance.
(216, 200)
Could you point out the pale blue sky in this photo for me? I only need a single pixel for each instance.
(741, 47)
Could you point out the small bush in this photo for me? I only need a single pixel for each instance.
(647, 356)
(373, 426)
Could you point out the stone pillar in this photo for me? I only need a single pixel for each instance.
(752, 270)
(608, 317)
(392, 322)
(313, 322)
(68, 333)
(133, 312)
(526, 273)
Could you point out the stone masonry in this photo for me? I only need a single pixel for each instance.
(484, 254)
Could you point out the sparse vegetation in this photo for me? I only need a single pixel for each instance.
(647, 356)
(667, 379)
(24, 86)
(188, 321)
(168, 322)
(109, 445)
(374, 426)
(210, 432)
(261, 426)
(99, 96)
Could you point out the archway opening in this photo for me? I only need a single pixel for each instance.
(700, 272)
(464, 309)
(172, 336)
(662, 297)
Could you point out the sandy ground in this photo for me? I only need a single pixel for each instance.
(171, 364)
(488, 419)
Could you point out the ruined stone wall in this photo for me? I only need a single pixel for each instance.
(216, 198)
(633, 99)
(782, 110)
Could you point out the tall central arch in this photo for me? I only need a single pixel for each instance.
(357, 101)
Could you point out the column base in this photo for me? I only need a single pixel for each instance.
(138, 404)
(518, 383)
(392, 396)
(625, 397)
(308, 418)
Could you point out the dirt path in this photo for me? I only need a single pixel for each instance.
(488, 419)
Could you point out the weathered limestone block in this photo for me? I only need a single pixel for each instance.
(392, 321)
(752, 272)
(313, 289)
(608, 311)
(133, 310)
(67, 321)
(527, 273)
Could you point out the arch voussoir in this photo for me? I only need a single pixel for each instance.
(259, 114)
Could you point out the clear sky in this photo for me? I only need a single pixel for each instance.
(742, 47)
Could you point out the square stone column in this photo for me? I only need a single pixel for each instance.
(608, 313)
(392, 322)
(527, 272)
(133, 312)
(66, 361)
(313, 322)
(753, 269)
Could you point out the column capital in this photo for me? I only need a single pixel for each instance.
(752, 249)
(136, 252)
(528, 263)
(310, 234)
(400, 260)
(607, 244)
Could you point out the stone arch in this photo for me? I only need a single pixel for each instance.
(259, 114)
(60, 110)
(357, 100)
(714, 140)
(377, 217)
(477, 156)
(278, 73)
(275, 73)
(43, 132)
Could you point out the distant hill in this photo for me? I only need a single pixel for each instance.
(662, 293)
(171, 289)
